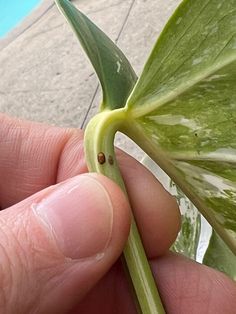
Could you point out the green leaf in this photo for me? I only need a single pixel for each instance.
(114, 71)
(197, 46)
(188, 237)
(220, 257)
(182, 111)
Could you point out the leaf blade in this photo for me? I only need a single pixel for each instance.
(183, 108)
(218, 256)
(114, 71)
(201, 183)
(187, 52)
(188, 238)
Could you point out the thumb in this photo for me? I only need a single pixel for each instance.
(56, 245)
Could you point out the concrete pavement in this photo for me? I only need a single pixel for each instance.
(44, 74)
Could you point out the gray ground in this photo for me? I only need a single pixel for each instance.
(45, 76)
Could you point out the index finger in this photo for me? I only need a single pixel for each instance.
(29, 157)
(35, 156)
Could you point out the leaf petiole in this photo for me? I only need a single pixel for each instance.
(100, 156)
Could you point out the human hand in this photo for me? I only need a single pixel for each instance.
(60, 238)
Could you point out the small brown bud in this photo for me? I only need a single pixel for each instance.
(110, 160)
(101, 158)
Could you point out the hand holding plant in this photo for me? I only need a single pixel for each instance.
(33, 265)
(180, 112)
(63, 229)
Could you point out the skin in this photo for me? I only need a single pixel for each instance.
(34, 157)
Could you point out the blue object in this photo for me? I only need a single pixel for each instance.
(12, 12)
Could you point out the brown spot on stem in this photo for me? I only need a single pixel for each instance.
(110, 160)
(101, 158)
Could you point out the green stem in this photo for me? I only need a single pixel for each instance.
(100, 157)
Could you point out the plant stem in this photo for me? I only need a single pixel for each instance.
(100, 157)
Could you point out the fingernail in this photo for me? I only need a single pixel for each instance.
(79, 215)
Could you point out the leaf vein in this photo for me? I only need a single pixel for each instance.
(176, 42)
